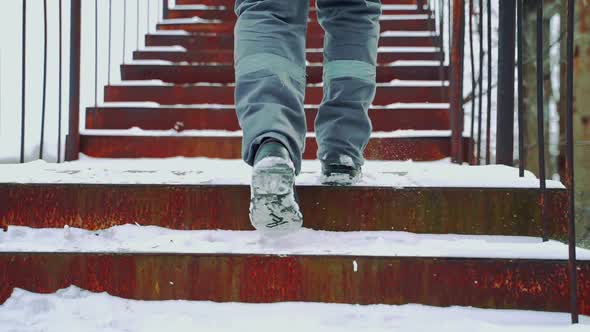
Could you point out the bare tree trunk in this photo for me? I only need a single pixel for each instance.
(582, 120)
(530, 84)
(581, 117)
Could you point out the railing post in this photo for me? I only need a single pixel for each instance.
(569, 165)
(456, 80)
(73, 137)
(23, 83)
(505, 108)
(165, 8)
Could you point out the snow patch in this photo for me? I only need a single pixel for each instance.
(93, 312)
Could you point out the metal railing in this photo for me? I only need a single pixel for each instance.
(73, 137)
(91, 45)
(511, 25)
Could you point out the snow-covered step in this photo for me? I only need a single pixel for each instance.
(225, 41)
(223, 117)
(230, 3)
(94, 311)
(418, 145)
(180, 193)
(384, 56)
(187, 74)
(227, 13)
(134, 238)
(412, 22)
(203, 93)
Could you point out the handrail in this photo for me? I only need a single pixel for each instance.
(509, 20)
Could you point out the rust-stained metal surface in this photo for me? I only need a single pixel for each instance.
(230, 3)
(227, 56)
(224, 95)
(229, 14)
(230, 147)
(162, 118)
(313, 27)
(225, 41)
(456, 80)
(189, 207)
(486, 283)
(182, 74)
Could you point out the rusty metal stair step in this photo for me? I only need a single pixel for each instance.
(229, 14)
(213, 73)
(527, 284)
(230, 3)
(313, 28)
(200, 118)
(223, 94)
(312, 55)
(427, 210)
(229, 146)
(225, 41)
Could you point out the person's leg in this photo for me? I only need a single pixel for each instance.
(270, 74)
(343, 126)
(270, 91)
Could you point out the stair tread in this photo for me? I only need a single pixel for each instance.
(186, 73)
(400, 175)
(221, 7)
(410, 22)
(225, 40)
(409, 133)
(200, 193)
(159, 83)
(223, 117)
(312, 55)
(129, 239)
(153, 105)
(386, 17)
(381, 49)
(217, 93)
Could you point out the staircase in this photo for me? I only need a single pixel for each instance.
(411, 121)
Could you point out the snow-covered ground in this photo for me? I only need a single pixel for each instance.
(189, 171)
(72, 309)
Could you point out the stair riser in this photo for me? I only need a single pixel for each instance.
(486, 283)
(313, 27)
(225, 74)
(224, 95)
(199, 207)
(164, 119)
(229, 14)
(313, 57)
(417, 149)
(226, 41)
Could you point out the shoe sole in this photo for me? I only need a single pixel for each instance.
(273, 208)
(339, 179)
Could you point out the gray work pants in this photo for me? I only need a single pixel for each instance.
(270, 75)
